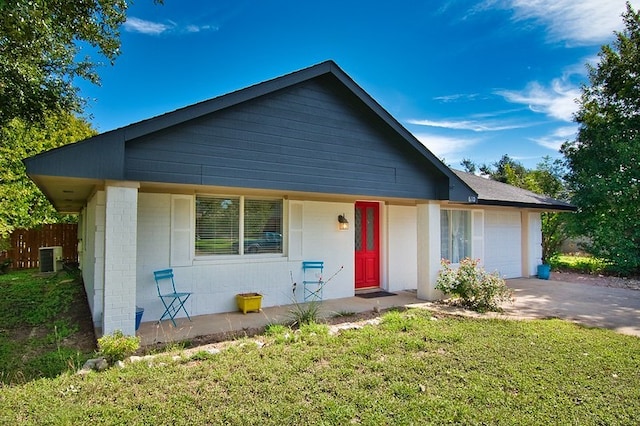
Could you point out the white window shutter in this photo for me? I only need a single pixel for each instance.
(182, 230)
(477, 226)
(296, 209)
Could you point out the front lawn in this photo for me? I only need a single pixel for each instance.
(413, 368)
(45, 326)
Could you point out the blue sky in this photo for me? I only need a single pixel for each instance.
(470, 79)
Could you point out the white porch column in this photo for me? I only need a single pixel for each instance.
(428, 250)
(121, 223)
(525, 242)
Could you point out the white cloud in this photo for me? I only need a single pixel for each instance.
(474, 125)
(137, 25)
(558, 100)
(586, 22)
(555, 140)
(457, 97)
(200, 28)
(442, 146)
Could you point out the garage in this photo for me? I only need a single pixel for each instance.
(503, 242)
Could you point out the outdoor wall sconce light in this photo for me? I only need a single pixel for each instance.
(343, 223)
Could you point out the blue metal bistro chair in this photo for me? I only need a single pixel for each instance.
(313, 283)
(172, 300)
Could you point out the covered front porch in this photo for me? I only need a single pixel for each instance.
(234, 324)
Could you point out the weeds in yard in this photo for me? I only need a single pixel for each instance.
(304, 313)
(117, 346)
(35, 325)
(202, 356)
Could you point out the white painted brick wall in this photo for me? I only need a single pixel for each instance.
(120, 259)
(93, 261)
(216, 282)
(428, 232)
(154, 221)
(402, 248)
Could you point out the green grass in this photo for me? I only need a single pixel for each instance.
(35, 324)
(581, 264)
(410, 369)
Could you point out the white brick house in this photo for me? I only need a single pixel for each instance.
(235, 192)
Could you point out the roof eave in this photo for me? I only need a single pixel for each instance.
(533, 206)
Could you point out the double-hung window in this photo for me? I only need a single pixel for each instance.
(222, 222)
(455, 235)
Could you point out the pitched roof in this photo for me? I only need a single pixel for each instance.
(494, 193)
(103, 156)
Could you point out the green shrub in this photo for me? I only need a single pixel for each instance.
(5, 265)
(117, 346)
(472, 286)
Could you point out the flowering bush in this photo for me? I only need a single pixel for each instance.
(472, 286)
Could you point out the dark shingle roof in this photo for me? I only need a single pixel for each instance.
(494, 193)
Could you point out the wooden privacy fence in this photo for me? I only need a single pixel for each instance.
(25, 244)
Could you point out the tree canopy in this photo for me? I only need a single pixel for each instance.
(40, 48)
(22, 204)
(506, 170)
(604, 159)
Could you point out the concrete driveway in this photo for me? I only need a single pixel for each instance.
(613, 308)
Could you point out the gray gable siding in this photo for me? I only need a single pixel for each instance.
(313, 136)
(84, 159)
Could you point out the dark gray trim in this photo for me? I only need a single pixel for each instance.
(533, 206)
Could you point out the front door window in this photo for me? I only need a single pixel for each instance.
(366, 231)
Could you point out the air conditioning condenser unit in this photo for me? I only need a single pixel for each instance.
(50, 259)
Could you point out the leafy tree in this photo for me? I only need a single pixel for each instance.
(604, 159)
(40, 43)
(469, 166)
(506, 170)
(547, 179)
(22, 204)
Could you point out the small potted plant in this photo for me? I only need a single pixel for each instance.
(249, 302)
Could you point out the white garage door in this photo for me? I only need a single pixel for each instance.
(503, 248)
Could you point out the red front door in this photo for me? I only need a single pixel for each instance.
(367, 232)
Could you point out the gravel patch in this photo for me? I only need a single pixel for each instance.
(597, 280)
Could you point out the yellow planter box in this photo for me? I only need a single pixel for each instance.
(249, 302)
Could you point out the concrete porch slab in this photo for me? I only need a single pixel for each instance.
(235, 323)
